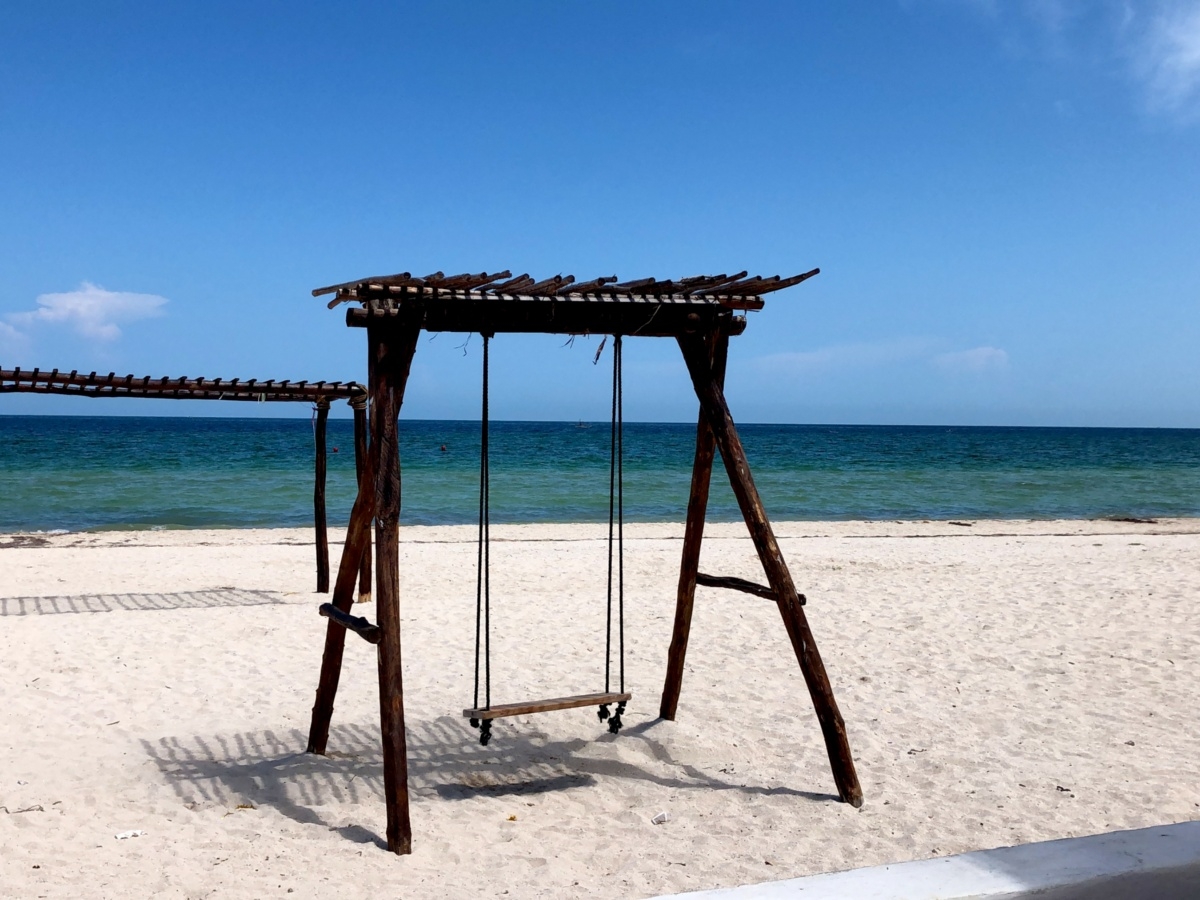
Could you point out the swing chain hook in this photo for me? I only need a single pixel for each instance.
(614, 724)
(485, 730)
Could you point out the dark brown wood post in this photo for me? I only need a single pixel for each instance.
(359, 405)
(714, 407)
(393, 351)
(319, 498)
(693, 535)
(358, 539)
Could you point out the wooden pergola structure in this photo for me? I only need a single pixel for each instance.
(701, 314)
(319, 393)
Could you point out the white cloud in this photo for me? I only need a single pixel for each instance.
(1156, 41)
(975, 360)
(1166, 56)
(882, 355)
(846, 356)
(11, 340)
(91, 311)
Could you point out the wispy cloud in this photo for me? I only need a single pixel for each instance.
(975, 360)
(1157, 42)
(862, 355)
(11, 340)
(857, 357)
(90, 311)
(1166, 54)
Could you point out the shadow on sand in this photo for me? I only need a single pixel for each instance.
(269, 768)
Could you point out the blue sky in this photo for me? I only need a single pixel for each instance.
(1001, 196)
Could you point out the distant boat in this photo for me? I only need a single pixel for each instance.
(582, 424)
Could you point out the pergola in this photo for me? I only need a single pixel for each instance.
(701, 314)
(319, 393)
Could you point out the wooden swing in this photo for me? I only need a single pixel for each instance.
(701, 314)
(481, 716)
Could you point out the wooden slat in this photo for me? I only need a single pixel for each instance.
(540, 706)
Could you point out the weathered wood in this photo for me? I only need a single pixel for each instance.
(319, 520)
(360, 458)
(716, 410)
(595, 314)
(358, 538)
(732, 583)
(360, 626)
(717, 351)
(540, 706)
(74, 383)
(392, 352)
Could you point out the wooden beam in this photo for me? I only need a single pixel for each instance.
(360, 458)
(360, 626)
(637, 317)
(731, 583)
(358, 537)
(540, 706)
(716, 410)
(693, 534)
(392, 352)
(320, 524)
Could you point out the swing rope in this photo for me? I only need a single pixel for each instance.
(616, 519)
(483, 592)
(616, 550)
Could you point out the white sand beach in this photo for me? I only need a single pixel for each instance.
(1001, 682)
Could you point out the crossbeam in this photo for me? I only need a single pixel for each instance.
(366, 630)
(540, 706)
(634, 317)
(732, 583)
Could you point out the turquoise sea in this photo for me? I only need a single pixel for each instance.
(107, 472)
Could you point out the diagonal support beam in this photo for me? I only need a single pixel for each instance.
(358, 540)
(717, 352)
(715, 409)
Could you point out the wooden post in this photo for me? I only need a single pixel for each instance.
(360, 459)
(693, 534)
(358, 538)
(319, 499)
(714, 407)
(392, 352)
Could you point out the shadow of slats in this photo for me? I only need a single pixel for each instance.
(97, 603)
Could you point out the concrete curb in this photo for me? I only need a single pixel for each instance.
(1161, 863)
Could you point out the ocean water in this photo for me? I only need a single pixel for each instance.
(106, 472)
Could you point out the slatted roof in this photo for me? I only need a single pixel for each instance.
(500, 302)
(75, 383)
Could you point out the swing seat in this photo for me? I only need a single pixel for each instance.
(539, 706)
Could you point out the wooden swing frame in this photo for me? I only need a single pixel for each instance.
(701, 314)
(319, 393)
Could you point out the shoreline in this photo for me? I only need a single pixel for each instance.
(1032, 684)
(551, 531)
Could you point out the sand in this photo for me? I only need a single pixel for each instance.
(1002, 682)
